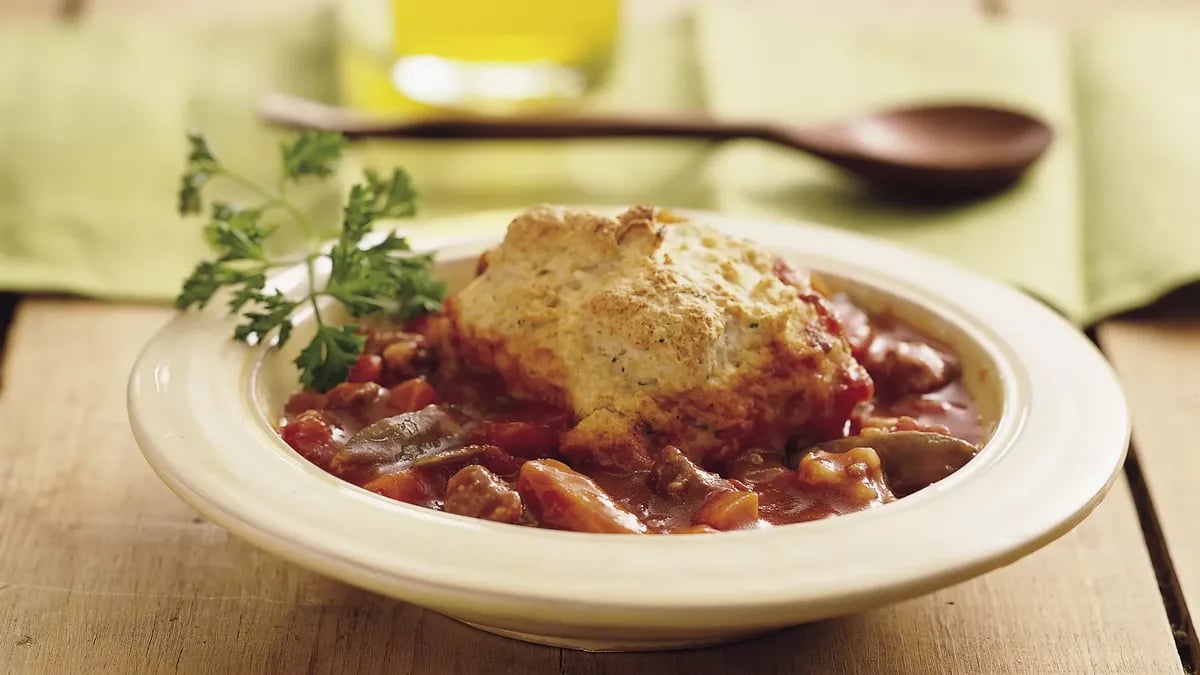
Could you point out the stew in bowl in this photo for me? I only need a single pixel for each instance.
(642, 374)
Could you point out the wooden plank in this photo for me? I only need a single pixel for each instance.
(1157, 356)
(101, 567)
(198, 10)
(885, 10)
(858, 9)
(1073, 12)
(24, 10)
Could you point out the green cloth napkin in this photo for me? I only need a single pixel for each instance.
(92, 141)
(93, 122)
(1138, 86)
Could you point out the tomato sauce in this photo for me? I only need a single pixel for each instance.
(412, 424)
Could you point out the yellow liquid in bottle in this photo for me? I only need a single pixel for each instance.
(479, 55)
(563, 32)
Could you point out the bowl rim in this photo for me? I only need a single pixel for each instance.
(1056, 451)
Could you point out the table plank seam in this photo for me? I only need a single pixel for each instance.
(992, 8)
(1183, 629)
(1170, 590)
(71, 10)
(8, 309)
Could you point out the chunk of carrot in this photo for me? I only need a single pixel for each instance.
(402, 486)
(560, 497)
(729, 511)
(521, 439)
(367, 368)
(412, 395)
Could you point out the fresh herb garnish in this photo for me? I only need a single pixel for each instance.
(382, 278)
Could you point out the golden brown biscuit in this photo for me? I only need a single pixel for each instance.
(655, 330)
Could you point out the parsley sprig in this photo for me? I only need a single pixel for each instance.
(384, 278)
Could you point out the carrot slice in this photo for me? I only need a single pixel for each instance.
(563, 498)
(729, 510)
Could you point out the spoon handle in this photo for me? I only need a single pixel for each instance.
(294, 112)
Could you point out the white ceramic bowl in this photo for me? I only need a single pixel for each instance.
(202, 408)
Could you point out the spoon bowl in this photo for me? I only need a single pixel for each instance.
(944, 150)
(949, 151)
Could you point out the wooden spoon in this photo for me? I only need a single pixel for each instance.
(944, 151)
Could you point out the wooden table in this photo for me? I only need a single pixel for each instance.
(103, 569)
